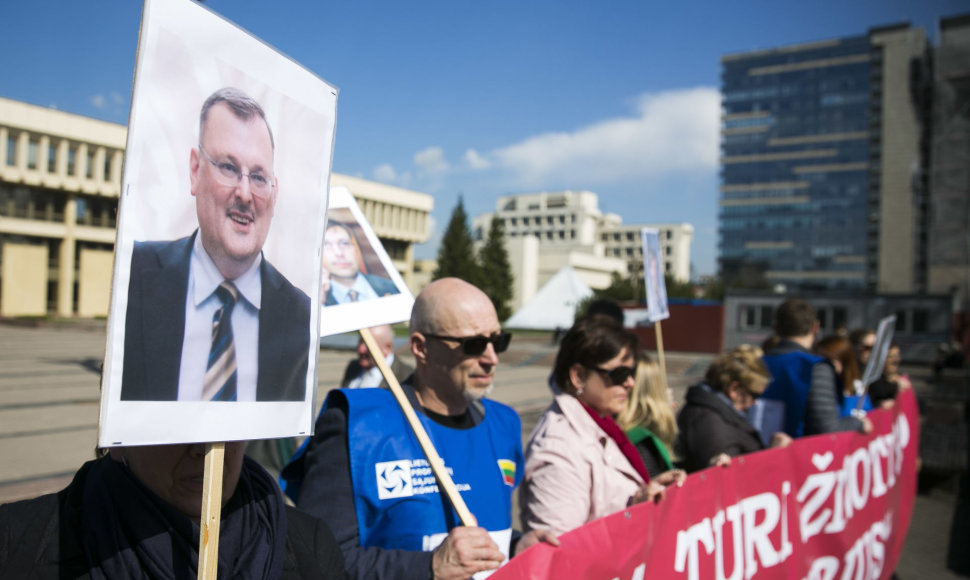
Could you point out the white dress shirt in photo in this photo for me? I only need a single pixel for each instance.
(360, 285)
(201, 304)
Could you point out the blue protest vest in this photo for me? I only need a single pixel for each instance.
(791, 374)
(395, 494)
(848, 404)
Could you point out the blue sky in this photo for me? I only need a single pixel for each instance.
(486, 98)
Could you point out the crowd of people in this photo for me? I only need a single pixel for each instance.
(366, 502)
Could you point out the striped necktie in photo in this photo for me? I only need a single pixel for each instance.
(353, 295)
(219, 383)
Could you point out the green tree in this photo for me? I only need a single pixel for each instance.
(456, 255)
(678, 289)
(496, 272)
(622, 289)
(582, 306)
(713, 288)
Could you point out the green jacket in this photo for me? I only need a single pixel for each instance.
(641, 436)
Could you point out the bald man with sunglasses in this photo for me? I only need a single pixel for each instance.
(365, 475)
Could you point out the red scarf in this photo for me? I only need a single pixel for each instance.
(608, 425)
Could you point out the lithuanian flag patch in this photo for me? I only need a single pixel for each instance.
(508, 471)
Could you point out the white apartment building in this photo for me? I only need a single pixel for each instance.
(60, 180)
(549, 230)
(563, 218)
(623, 241)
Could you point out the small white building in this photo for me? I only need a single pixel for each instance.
(547, 231)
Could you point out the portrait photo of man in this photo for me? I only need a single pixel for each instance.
(208, 317)
(346, 277)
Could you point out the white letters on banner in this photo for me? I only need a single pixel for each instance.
(826, 502)
(747, 533)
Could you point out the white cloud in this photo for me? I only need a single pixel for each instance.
(672, 132)
(112, 100)
(431, 160)
(474, 160)
(385, 173)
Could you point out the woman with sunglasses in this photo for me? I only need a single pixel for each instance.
(579, 464)
(713, 425)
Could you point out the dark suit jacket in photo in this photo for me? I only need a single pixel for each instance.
(155, 327)
(381, 285)
(399, 368)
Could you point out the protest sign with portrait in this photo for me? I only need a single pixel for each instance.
(360, 287)
(212, 332)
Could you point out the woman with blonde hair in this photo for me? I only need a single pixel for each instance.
(648, 418)
(713, 425)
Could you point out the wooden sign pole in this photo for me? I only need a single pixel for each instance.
(660, 352)
(211, 511)
(445, 482)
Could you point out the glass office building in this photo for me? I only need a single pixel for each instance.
(803, 151)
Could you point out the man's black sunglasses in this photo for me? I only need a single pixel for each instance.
(476, 345)
(617, 376)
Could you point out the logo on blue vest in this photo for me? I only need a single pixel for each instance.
(394, 479)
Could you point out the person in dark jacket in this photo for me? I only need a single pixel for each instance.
(134, 513)
(884, 390)
(713, 426)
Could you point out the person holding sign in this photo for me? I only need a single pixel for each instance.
(209, 319)
(863, 340)
(713, 425)
(365, 475)
(344, 277)
(838, 351)
(580, 465)
(362, 372)
(884, 391)
(805, 384)
(134, 513)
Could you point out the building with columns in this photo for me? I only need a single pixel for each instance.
(60, 181)
(60, 178)
(400, 218)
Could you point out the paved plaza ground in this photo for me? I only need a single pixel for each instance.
(49, 403)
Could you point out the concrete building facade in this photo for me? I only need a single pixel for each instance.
(546, 231)
(60, 181)
(60, 178)
(949, 204)
(562, 218)
(923, 321)
(623, 241)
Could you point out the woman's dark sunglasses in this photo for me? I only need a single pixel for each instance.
(617, 376)
(476, 345)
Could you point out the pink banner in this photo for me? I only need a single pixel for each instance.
(829, 506)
